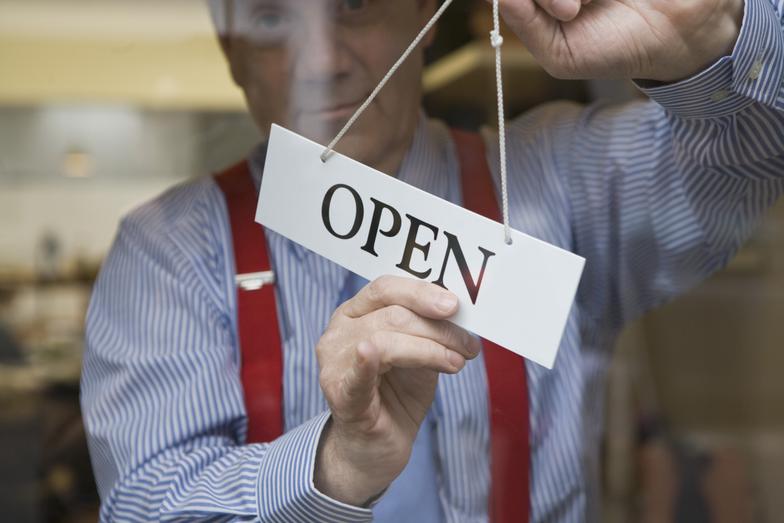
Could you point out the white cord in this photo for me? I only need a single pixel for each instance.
(331, 147)
(496, 40)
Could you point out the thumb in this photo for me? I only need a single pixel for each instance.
(527, 11)
(563, 10)
(534, 26)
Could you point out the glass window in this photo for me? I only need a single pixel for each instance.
(128, 393)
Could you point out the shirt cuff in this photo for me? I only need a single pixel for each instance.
(752, 74)
(285, 485)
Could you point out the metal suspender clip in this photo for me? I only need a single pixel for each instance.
(254, 281)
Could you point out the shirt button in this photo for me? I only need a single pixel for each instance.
(718, 96)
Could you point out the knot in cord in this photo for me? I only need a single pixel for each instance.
(496, 40)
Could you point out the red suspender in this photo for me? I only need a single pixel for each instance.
(257, 319)
(508, 385)
(260, 342)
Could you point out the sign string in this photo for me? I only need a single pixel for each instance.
(496, 41)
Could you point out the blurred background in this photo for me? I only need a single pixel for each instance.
(104, 104)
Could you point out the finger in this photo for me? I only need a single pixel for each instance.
(532, 24)
(424, 298)
(359, 382)
(412, 352)
(563, 10)
(396, 318)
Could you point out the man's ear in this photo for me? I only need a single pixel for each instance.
(227, 46)
(222, 12)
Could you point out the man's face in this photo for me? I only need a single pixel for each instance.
(308, 65)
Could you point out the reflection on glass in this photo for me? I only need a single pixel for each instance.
(105, 107)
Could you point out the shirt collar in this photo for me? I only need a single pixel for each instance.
(428, 164)
(256, 160)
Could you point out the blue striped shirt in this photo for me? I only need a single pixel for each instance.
(655, 194)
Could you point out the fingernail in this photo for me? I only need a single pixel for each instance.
(446, 302)
(565, 9)
(455, 360)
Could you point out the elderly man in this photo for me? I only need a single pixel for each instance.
(384, 402)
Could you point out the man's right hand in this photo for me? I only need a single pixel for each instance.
(380, 358)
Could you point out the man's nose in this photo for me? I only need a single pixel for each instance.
(321, 55)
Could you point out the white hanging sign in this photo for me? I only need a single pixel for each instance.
(518, 296)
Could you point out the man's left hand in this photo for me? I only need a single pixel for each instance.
(664, 40)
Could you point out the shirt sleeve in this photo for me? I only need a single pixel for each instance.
(662, 193)
(163, 403)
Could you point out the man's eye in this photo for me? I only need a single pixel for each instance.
(268, 24)
(353, 6)
(269, 19)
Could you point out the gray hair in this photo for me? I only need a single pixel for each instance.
(219, 13)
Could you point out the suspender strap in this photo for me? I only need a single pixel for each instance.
(508, 387)
(259, 335)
